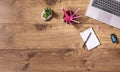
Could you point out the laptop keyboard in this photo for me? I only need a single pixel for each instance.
(111, 6)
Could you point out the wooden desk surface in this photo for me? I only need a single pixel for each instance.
(22, 28)
(53, 44)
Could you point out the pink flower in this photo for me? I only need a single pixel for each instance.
(70, 16)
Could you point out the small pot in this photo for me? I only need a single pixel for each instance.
(49, 17)
(68, 12)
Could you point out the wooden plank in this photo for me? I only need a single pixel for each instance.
(25, 36)
(28, 11)
(60, 60)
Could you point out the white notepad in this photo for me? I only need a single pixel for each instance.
(92, 41)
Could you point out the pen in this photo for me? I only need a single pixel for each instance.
(87, 39)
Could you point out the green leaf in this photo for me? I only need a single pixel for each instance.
(48, 11)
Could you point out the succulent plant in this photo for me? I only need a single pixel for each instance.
(47, 12)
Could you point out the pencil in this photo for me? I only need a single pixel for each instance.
(87, 39)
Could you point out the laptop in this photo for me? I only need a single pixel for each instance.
(106, 11)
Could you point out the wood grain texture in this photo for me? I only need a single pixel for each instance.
(60, 60)
(29, 44)
(22, 28)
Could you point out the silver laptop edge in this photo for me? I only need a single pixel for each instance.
(103, 16)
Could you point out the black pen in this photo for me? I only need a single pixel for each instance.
(87, 39)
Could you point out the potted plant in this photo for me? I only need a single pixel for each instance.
(70, 16)
(47, 14)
